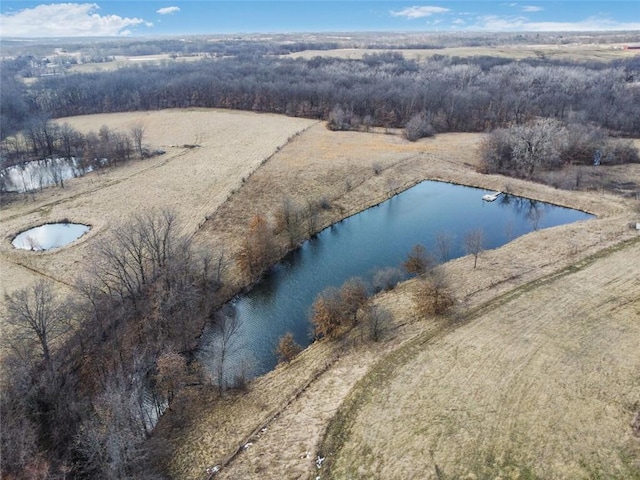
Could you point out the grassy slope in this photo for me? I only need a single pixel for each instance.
(542, 382)
(297, 402)
(286, 448)
(193, 182)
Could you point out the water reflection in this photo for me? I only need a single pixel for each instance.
(51, 235)
(438, 215)
(37, 174)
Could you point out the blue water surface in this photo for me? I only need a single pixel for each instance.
(376, 238)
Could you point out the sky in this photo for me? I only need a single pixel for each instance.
(184, 17)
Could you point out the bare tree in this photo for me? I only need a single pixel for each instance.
(37, 316)
(418, 126)
(474, 244)
(522, 149)
(444, 245)
(353, 296)
(326, 313)
(312, 217)
(387, 278)
(136, 252)
(375, 318)
(258, 248)
(18, 435)
(171, 373)
(110, 441)
(288, 219)
(137, 134)
(223, 347)
(432, 295)
(336, 309)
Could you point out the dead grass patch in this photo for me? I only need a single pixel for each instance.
(317, 164)
(296, 402)
(540, 386)
(193, 182)
(575, 52)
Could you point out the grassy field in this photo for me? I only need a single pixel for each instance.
(284, 414)
(541, 384)
(193, 182)
(576, 51)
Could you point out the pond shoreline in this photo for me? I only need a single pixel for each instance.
(499, 271)
(375, 239)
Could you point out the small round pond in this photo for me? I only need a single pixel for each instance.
(376, 238)
(50, 235)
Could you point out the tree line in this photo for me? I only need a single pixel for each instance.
(45, 142)
(87, 376)
(548, 144)
(471, 94)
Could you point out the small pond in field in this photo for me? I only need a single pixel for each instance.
(377, 238)
(48, 236)
(37, 174)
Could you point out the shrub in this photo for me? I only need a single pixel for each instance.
(336, 309)
(387, 278)
(432, 297)
(419, 261)
(287, 348)
(419, 126)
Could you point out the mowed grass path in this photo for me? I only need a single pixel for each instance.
(544, 384)
(193, 182)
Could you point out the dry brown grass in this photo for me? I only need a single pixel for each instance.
(193, 182)
(318, 163)
(579, 52)
(295, 402)
(544, 385)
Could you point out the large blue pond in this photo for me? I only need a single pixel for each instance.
(379, 237)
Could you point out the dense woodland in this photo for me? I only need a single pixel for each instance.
(464, 95)
(88, 376)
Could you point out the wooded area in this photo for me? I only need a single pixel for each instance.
(88, 376)
(465, 95)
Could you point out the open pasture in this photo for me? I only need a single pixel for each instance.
(208, 154)
(543, 383)
(576, 52)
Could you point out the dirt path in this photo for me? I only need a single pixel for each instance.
(192, 181)
(351, 171)
(543, 384)
(339, 166)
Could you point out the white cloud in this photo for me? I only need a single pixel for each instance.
(64, 20)
(418, 12)
(168, 10)
(458, 21)
(522, 24)
(531, 8)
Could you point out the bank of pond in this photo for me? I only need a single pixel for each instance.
(376, 239)
(49, 236)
